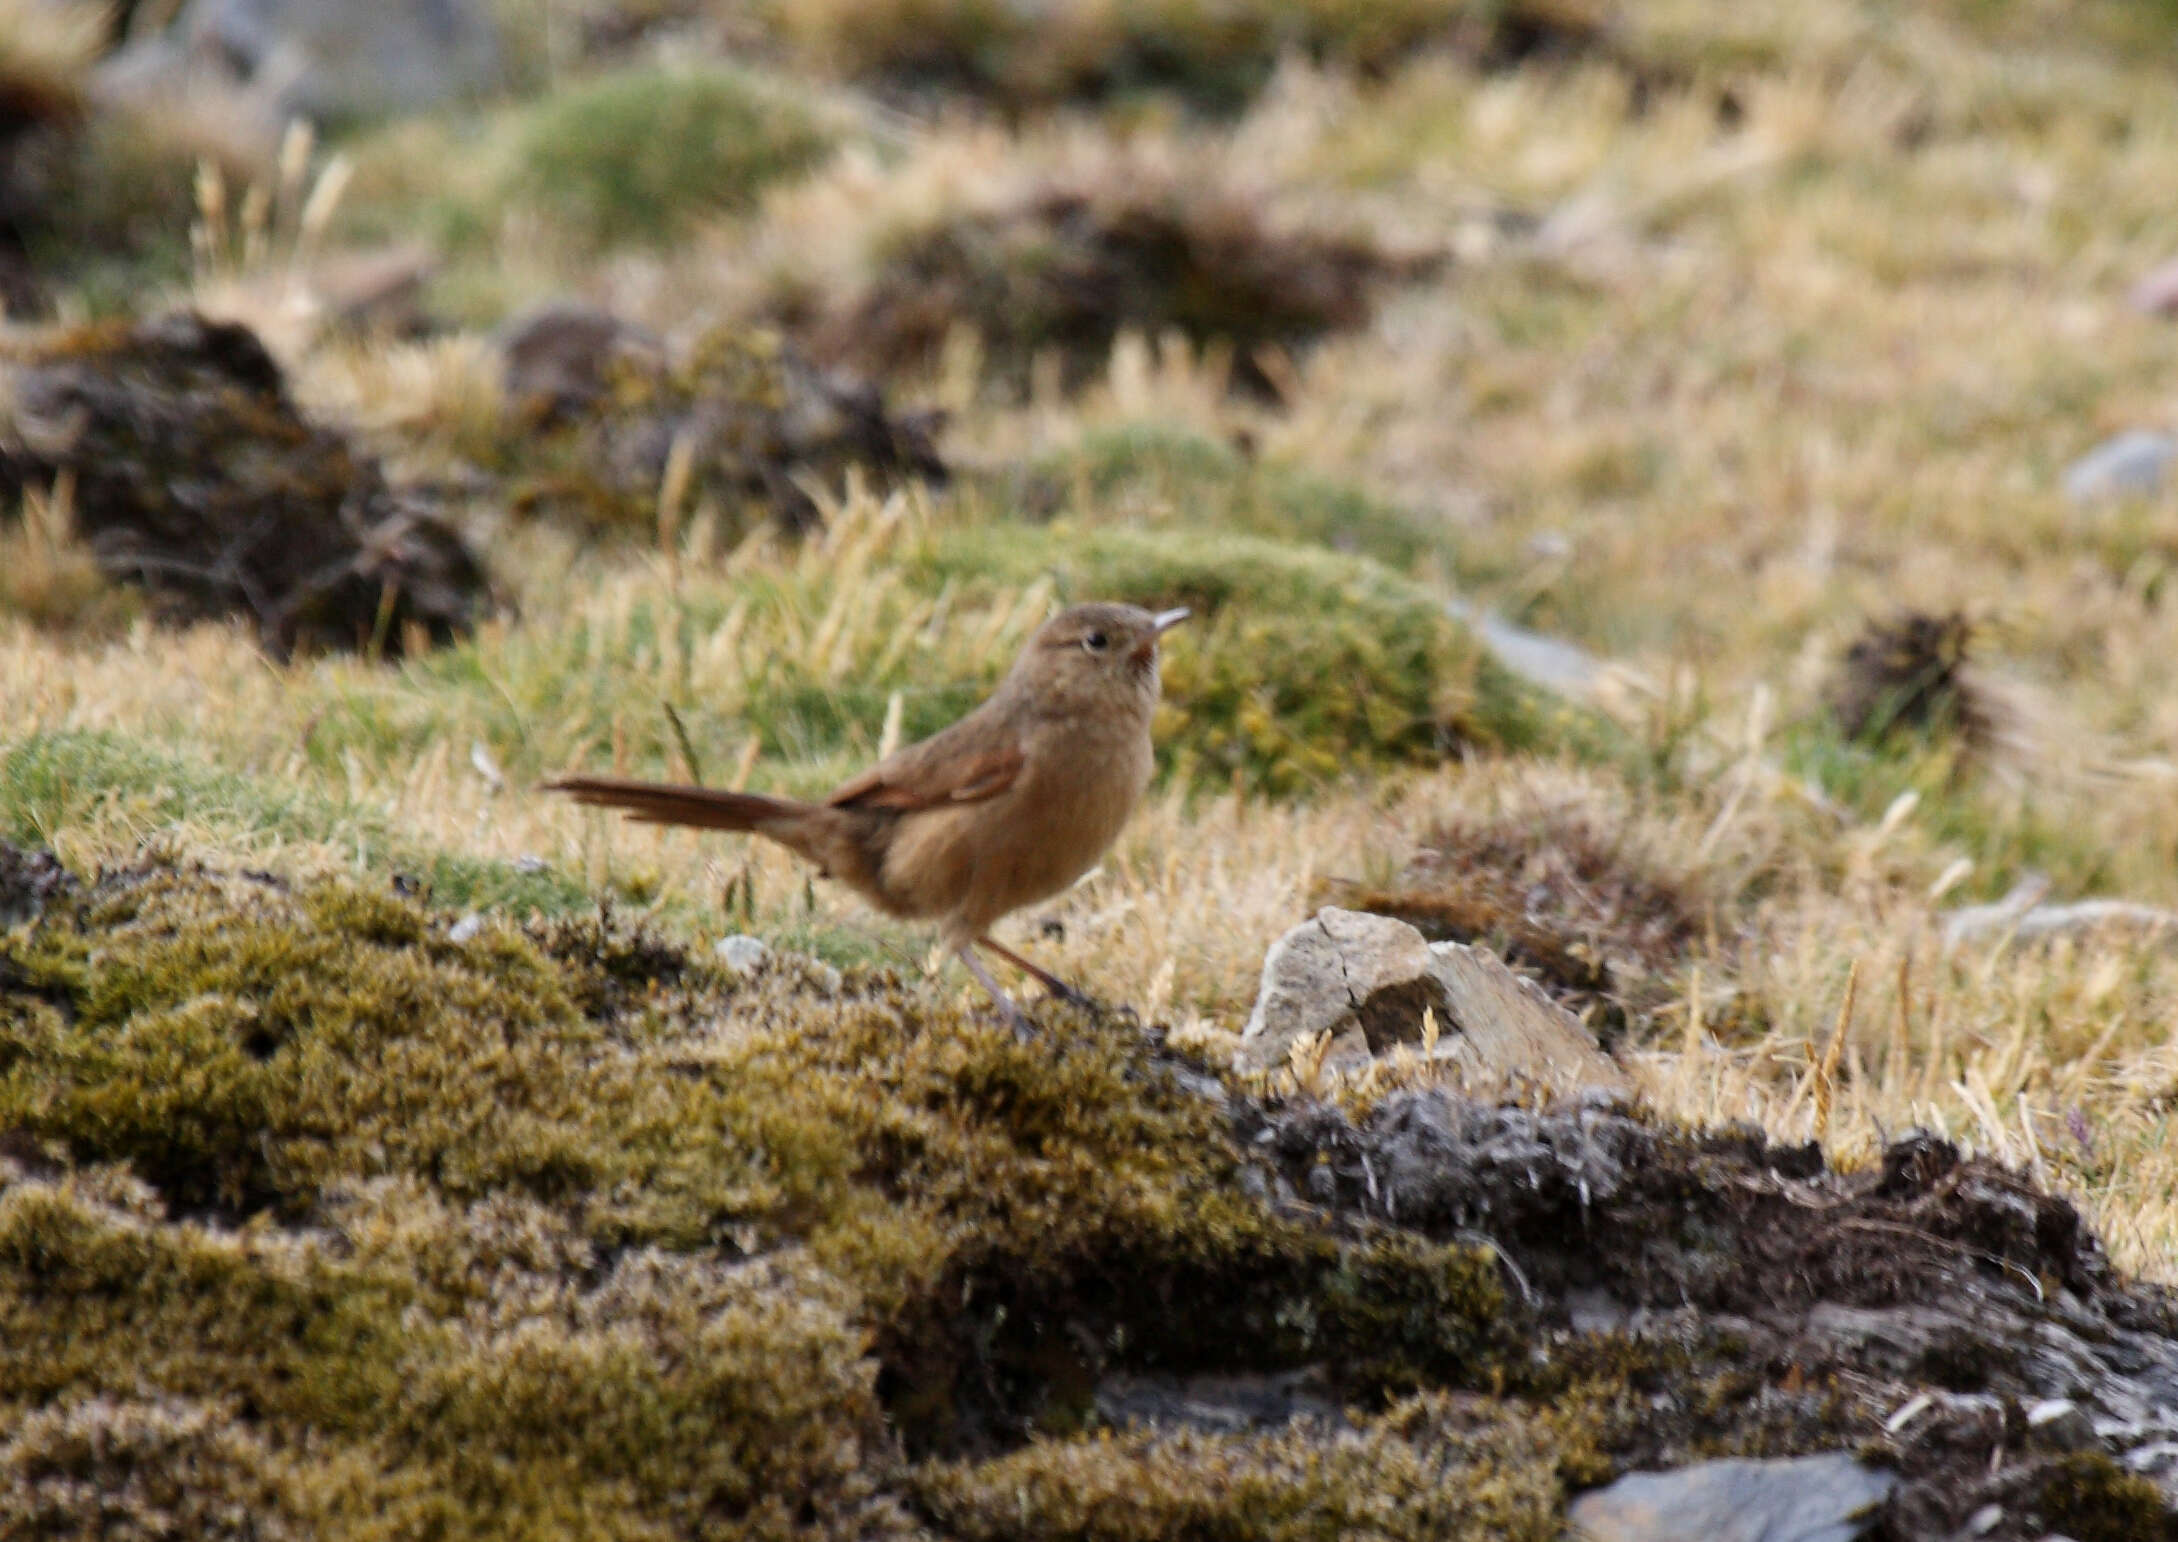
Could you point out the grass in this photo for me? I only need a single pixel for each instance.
(641, 154)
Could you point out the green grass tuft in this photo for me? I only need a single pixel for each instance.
(640, 155)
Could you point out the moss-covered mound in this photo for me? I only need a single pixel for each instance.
(333, 1210)
(322, 1215)
(1061, 266)
(1248, 681)
(640, 154)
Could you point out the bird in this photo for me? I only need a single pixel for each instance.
(1007, 806)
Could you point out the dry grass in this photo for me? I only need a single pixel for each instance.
(1759, 326)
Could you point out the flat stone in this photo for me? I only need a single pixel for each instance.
(1805, 1499)
(1504, 1033)
(2134, 464)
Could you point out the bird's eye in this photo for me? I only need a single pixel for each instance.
(1096, 642)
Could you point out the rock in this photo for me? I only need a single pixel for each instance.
(1502, 1029)
(1806, 1499)
(560, 357)
(1368, 979)
(741, 954)
(2157, 292)
(2062, 1423)
(1338, 973)
(30, 881)
(465, 930)
(347, 58)
(198, 479)
(2134, 464)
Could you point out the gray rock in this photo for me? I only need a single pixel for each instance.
(742, 953)
(1807, 1499)
(2134, 464)
(1339, 973)
(2060, 1422)
(1367, 980)
(323, 59)
(1502, 1029)
(466, 930)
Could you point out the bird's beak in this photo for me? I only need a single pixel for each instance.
(1161, 623)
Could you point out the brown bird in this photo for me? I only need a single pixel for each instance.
(1006, 807)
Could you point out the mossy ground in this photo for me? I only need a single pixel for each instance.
(553, 1226)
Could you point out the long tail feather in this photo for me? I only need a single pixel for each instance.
(703, 808)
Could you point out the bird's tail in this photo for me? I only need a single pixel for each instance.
(704, 808)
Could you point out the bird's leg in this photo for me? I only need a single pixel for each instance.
(1022, 1029)
(1043, 977)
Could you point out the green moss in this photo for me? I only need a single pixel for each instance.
(247, 1047)
(639, 155)
(1150, 472)
(2090, 1497)
(1429, 1468)
(554, 1229)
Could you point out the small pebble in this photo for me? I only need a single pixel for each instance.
(742, 953)
(2134, 464)
(465, 929)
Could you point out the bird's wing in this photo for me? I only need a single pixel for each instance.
(955, 765)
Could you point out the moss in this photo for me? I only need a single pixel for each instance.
(161, 1467)
(245, 1047)
(557, 1224)
(411, 1369)
(639, 155)
(2090, 1497)
(1153, 473)
(1433, 1467)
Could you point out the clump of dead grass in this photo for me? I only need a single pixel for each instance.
(1912, 673)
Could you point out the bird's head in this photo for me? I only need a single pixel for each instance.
(1088, 653)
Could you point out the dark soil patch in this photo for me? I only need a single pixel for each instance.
(195, 477)
(1759, 1298)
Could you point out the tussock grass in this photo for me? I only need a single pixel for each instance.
(640, 154)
